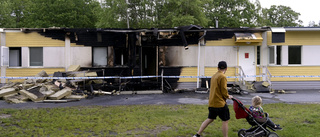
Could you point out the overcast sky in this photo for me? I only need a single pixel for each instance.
(309, 9)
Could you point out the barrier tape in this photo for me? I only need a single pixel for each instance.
(135, 77)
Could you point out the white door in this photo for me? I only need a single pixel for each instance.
(247, 61)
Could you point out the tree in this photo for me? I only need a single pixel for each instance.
(142, 14)
(6, 19)
(11, 13)
(132, 13)
(182, 12)
(113, 14)
(231, 13)
(280, 16)
(60, 13)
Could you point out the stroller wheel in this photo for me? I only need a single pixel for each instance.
(242, 132)
(272, 134)
(249, 135)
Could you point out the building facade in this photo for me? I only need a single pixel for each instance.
(276, 55)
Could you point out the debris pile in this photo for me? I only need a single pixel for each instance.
(52, 90)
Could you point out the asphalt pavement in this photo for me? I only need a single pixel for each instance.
(301, 96)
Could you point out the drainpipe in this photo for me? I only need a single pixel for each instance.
(199, 41)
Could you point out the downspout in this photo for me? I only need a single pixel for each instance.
(199, 41)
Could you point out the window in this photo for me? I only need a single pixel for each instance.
(120, 56)
(294, 54)
(275, 55)
(36, 56)
(100, 56)
(15, 56)
(278, 37)
(271, 55)
(258, 55)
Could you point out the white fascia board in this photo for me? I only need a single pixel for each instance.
(278, 29)
(303, 29)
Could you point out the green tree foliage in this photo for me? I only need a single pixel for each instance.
(280, 16)
(183, 12)
(152, 13)
(48, 13)
(6, 20)
(231, 13)
(61, 13)
(113, 14)
(11, 13)
(142, 14)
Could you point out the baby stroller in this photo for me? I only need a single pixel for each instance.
(257, 129)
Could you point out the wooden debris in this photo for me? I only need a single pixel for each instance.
(52, 87)
(45, 90)
(41, 74)
(265, 84)
(97, 81)
(17, 99)
(75, 97)
(47, 93)
(33, 87)
(86, 74)
(60, 94)
(31, 96)
(55, 101)
(26, 86)
(286, 92)
(7, 91)
(102, 92)
(149, 92)
(9, 96)
(9, 85)
(74, 68)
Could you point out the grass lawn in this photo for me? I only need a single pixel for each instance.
(297, 120)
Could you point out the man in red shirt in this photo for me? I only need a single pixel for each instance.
(217, 100)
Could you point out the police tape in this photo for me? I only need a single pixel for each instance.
(139, 77)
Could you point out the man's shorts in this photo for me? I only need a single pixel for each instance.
(223, 113)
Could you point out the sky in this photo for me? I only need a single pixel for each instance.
(309, 9)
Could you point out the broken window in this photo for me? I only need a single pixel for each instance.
(100, 56)
(15, 56)
(275, 55)
(120, 56)
(36, 56)
(294, 55)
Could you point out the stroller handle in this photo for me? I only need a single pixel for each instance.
(234, 99)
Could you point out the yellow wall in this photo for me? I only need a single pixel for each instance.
(32, 39)
(209, 71)
(294, 71)
(258, 72)
(23, 72)
(231, 42)
(298, 38)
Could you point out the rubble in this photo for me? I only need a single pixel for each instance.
(32, 96)
(60, 94)
(7, 91)
(53, 90)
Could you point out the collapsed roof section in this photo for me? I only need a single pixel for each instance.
(179, 36)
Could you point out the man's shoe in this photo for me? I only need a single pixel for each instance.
(196, 135)
(278, 128)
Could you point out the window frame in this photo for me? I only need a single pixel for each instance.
(294, 64)
(30, 54)
(19, 49)
(277, 57)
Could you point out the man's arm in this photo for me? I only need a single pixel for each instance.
(224, 89)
